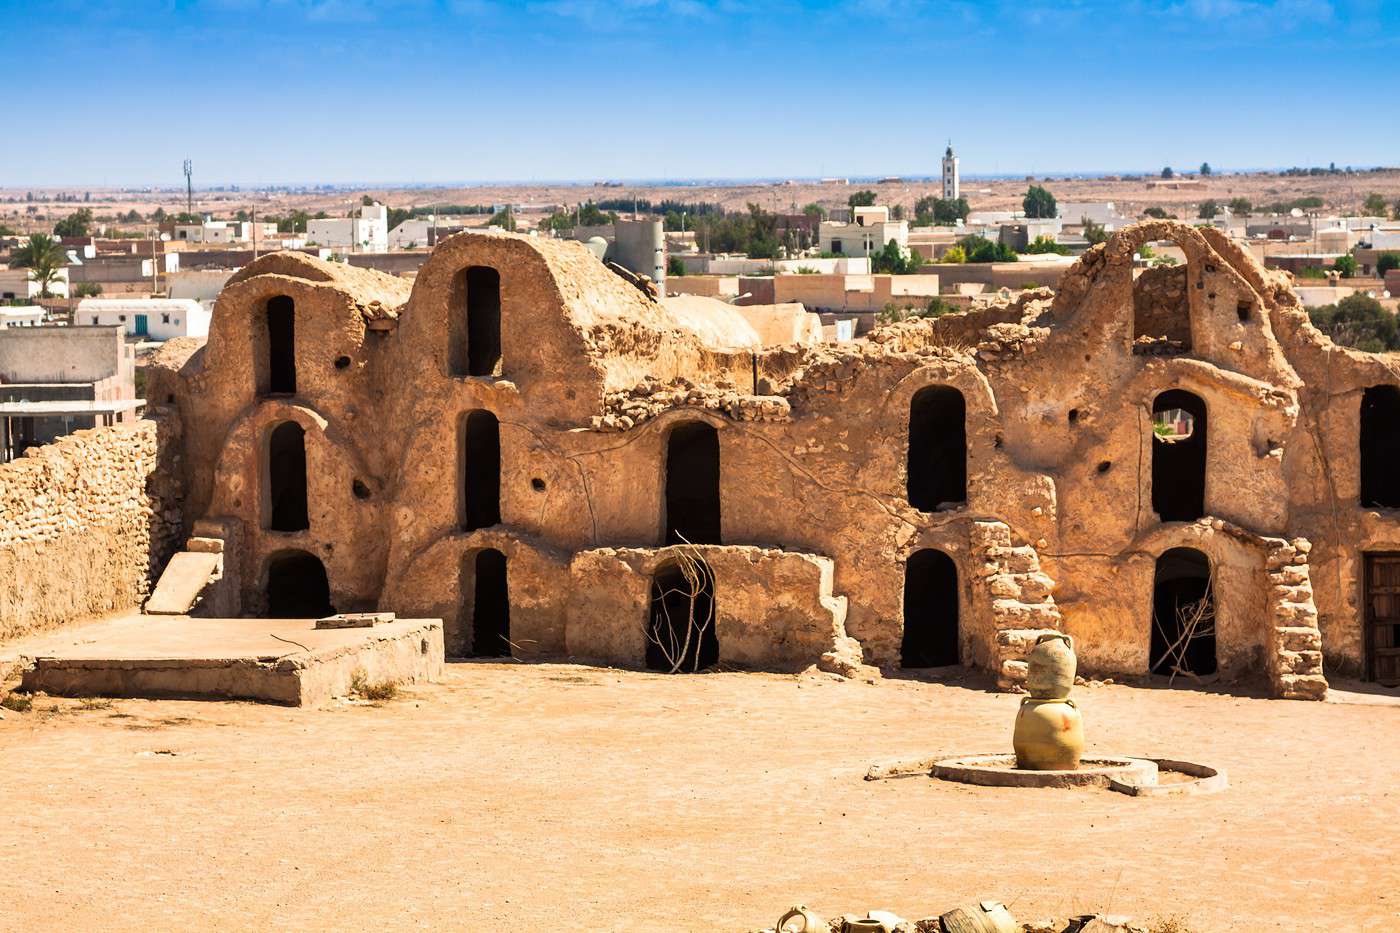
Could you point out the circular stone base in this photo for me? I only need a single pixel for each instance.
(1001, 771)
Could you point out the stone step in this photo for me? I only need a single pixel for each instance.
(205, 545)
(1013, 614)
(1302, 687)
(184, 579)
(1300, 637)
(1021, 639)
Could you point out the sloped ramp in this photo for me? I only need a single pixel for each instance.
(184, 579)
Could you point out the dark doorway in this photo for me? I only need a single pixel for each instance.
(286, 478)
(297, 587)
(1178, 456)
(281, 346)
(491, 607)
(692, 484)
(481, 470)
(474, 323)
(1380, 447)
(681, 635)
(1183, 614)
(937, 466)
(930, 610)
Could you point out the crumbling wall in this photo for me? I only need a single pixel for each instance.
(87, 522)
(1161, 309)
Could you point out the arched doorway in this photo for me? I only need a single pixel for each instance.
(281, 346)
(297, 587)
(491, 606)
(1380, 447)
(474, 323)
(937, 464)
(481, 470)
(1183, 614)
(930, 610)
(681, 636)
(286, 478)
(1179, 456)
(692, 484)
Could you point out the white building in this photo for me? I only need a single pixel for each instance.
(21, 316)
(367, 232)
(1104, 213)
(415, 233)
(146, 318)
(952, 185)
(15, 283)
(861, 239)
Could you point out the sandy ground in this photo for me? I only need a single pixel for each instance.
(563, 797)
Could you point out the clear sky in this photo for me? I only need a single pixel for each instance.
(343, 91)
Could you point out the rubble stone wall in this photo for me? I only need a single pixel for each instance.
(87, 522)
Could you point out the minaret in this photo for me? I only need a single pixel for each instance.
(950, 174)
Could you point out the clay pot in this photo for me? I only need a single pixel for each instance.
(1049, 735)
(986, 917)
(811, 922)
(1050, 667)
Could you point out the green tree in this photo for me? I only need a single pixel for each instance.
(158, 215)
(1094, 233)
(44, 257)
(981, 249)
(1358, 321)
(75, 224)
(897, 212)
(1205, 168)
(954, 254)
(1346, 265)
(944, 212)
(896, 260)
(674, 266)
(398, 215)
(504, 218)
(1046, 244)
(1159, 212)
(1208, 210)
(815, 210)
(863, 198)
(1397, 210)
(1039, 203)
(1168, 173)
(1374, 204)
(1240, 207)
(7, 230)
(366, 201)
(87, 290)
(1387, 261)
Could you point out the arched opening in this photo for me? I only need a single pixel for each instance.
(1178, 456)
(1162, 311)
(1183, 614)
(474, 323)
(692, 484)
(490, 606)
(681, 635)
(937, 465)
(1380, 447)
(281, 346)
(930, 610)
(481, 470)
(297, 587)
(286, 478)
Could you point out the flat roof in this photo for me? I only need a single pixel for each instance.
(79, 406)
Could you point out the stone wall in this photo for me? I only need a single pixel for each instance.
(86, 523)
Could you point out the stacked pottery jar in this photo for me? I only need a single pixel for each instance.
(1049, 732)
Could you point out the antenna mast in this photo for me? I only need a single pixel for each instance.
(189, 187)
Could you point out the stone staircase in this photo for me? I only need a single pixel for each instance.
(1019, 592)
(195, 581)
(1294, 644)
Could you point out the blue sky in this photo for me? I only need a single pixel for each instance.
(450, 90)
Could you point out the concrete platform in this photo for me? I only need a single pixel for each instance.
(275, 660)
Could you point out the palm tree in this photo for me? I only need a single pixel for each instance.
(44, 257)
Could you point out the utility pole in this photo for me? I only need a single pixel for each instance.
(189, 187)
(255, 231)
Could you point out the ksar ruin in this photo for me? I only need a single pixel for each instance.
(520, 441)
(534, 449)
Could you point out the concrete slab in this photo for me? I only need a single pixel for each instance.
(184, 578)
(276, 660)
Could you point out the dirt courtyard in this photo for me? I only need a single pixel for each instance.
(567, 797)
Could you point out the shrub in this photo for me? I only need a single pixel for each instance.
(1358, 321)
(377, 690)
